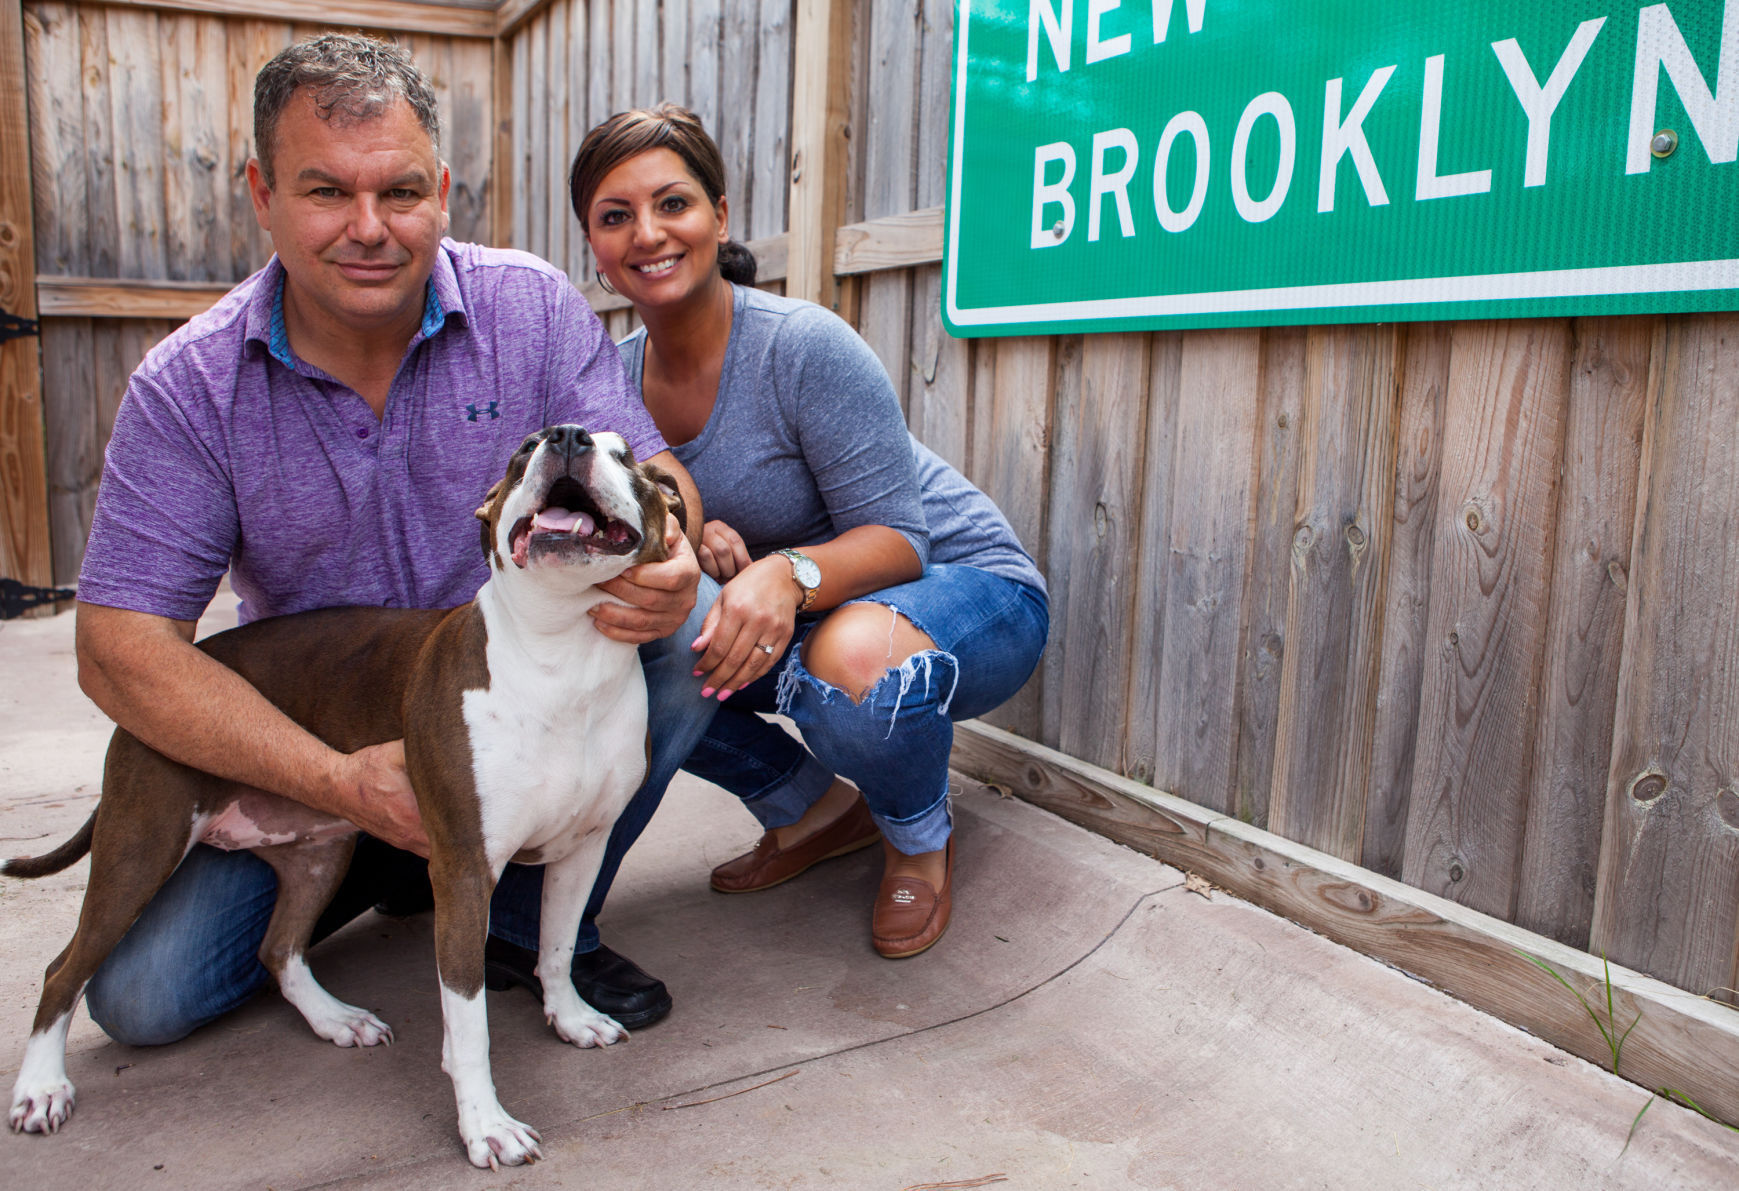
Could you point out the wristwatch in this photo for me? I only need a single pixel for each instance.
(807, 573)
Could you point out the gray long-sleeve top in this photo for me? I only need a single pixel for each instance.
(806, 441)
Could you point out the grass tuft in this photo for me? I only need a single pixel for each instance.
(1678, 1097)
(1615, 1043)
(1609, 1027)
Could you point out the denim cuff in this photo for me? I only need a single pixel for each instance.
(785, 803)
(926, 831)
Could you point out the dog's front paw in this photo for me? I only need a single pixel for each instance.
(42, 1108)
(495, 1140)
(350, 1026)
(586, 1027)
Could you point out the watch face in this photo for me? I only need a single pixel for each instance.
(804, 567)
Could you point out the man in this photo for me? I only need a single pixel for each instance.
(323, 434)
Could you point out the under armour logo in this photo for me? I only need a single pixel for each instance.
(471, 411)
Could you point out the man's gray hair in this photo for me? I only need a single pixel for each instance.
(352, 76)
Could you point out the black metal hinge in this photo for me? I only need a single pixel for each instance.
(18, 598)
(14, 327)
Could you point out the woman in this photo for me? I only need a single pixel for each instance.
(869, 591)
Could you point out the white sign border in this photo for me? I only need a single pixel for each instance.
(1675, 277)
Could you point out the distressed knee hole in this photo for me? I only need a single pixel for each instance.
(861, 644)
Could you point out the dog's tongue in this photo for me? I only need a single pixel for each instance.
(554, 520)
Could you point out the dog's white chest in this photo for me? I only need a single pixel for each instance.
(556, 751)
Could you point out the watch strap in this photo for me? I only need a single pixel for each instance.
(797, 558)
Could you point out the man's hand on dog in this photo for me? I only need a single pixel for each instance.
(376, 792)
(656, 597)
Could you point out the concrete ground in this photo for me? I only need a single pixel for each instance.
(1088, 1021)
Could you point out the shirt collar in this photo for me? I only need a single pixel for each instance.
(265, 322)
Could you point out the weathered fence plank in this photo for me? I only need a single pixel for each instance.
(59, 178)
(251, 45)
(535, 147)
(648, 76)
(1338, 564)
(1668, 902)
(1158, 483)
(468, 121)
(1212, 508)
(1265, 637)
(770, 154)
(735, 128)
(136, 115)
(675, 46)
(890, 180)
(1584, 630)
(940, 402)
(705, 51)
(935, 89)
(196, 174)
(1009, 453)
(1424, 384)
(75, 450)
(25, 551)
(1096, 475)
(1491, 574)
(102, 237)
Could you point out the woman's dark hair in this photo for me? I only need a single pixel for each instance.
(667, 126)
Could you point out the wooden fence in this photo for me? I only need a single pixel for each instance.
(1453, 602)
(140, 123)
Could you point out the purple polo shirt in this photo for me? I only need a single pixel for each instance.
(230, 454)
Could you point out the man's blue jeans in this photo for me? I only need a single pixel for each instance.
(192, 955)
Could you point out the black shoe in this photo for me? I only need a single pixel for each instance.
(417, 897)
(610, 983)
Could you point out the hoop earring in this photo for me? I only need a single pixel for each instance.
(604, 283)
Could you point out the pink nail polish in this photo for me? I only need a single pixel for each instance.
(723, 695)
(706, 692)
(697, 673)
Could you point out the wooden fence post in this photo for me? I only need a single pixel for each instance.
(501, 160)
(24, 546)
(819, 96)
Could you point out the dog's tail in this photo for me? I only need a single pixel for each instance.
(53, 862)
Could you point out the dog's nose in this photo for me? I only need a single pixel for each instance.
(569, 440)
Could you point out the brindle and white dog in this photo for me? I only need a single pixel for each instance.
(525, 736)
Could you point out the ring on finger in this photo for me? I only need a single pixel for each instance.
(764, 648)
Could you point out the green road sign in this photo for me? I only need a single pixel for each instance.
(1134, 164)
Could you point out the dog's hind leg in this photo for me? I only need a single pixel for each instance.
(308, 875)
(567, 883)
(128, 867)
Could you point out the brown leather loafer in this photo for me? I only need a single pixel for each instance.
(769, 864)
(909, 914)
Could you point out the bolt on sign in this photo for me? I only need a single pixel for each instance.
(1138, 164)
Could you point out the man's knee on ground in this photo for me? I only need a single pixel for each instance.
(137, 1012)
(860, 643)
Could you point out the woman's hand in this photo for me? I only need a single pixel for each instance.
(722, 553)
(758, 607)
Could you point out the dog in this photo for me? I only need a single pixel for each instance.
(525, 736)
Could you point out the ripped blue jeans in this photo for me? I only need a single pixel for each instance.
(989, 632)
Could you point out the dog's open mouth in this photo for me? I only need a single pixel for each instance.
(570, 524)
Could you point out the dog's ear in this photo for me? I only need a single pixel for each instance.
(482, 513)
(666, 485)
(489, 501)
